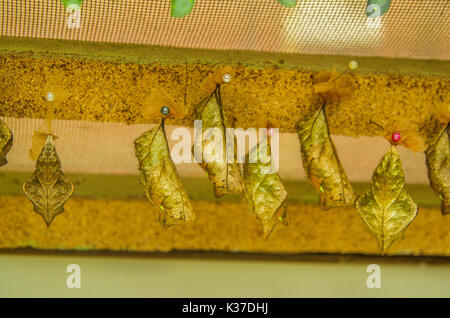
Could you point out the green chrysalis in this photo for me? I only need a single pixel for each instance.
(374, 5)
(288, 3)
(181, 8)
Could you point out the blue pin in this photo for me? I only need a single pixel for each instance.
(165, 110)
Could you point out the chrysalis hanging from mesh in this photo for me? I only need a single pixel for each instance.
(48, 189)
(264, 192)
(6, 141)
(438, 164)
(386, 208)
(212, 148)
(162, 185)
(320, 160)
(321, 163)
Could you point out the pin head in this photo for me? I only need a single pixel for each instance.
(226, 78)
(50, 97)
(165, 110)
(396, 137)
(353, 65)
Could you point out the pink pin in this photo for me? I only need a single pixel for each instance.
(396, 137)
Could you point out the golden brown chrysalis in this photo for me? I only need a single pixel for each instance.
(264, 191)
(386, 208)
(321, 163)
(226, 176)
(438, 163)
(162, 185)
(48, 189)
(6, 141)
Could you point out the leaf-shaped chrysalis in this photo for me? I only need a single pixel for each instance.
(48, 189)
(321, 163)
(264, 191)
(438, 164)
(6, 141)
(162, 185)
(212, 149)
(386, 208)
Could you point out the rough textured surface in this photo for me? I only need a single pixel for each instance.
(224, 226)
(93, 82)
(116, 91)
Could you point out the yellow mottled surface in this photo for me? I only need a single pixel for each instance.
(222, 226)
(401, 95)
(118, 92)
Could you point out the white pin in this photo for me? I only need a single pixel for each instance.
(226, 78)
(50, 97)
(353, 65)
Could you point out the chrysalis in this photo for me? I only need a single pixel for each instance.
(264, 191)
(6, 141)
(162, 185)
(226, 176)
(181, 8)
(321, 163)
(48, 189)
(438, 164)
(386, 208)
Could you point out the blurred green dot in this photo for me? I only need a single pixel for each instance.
(181, 8)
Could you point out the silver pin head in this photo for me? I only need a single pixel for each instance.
(353, 65)
(50, 97)
(226, 78)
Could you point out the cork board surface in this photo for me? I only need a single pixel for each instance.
(116, 90)
(133, 225)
